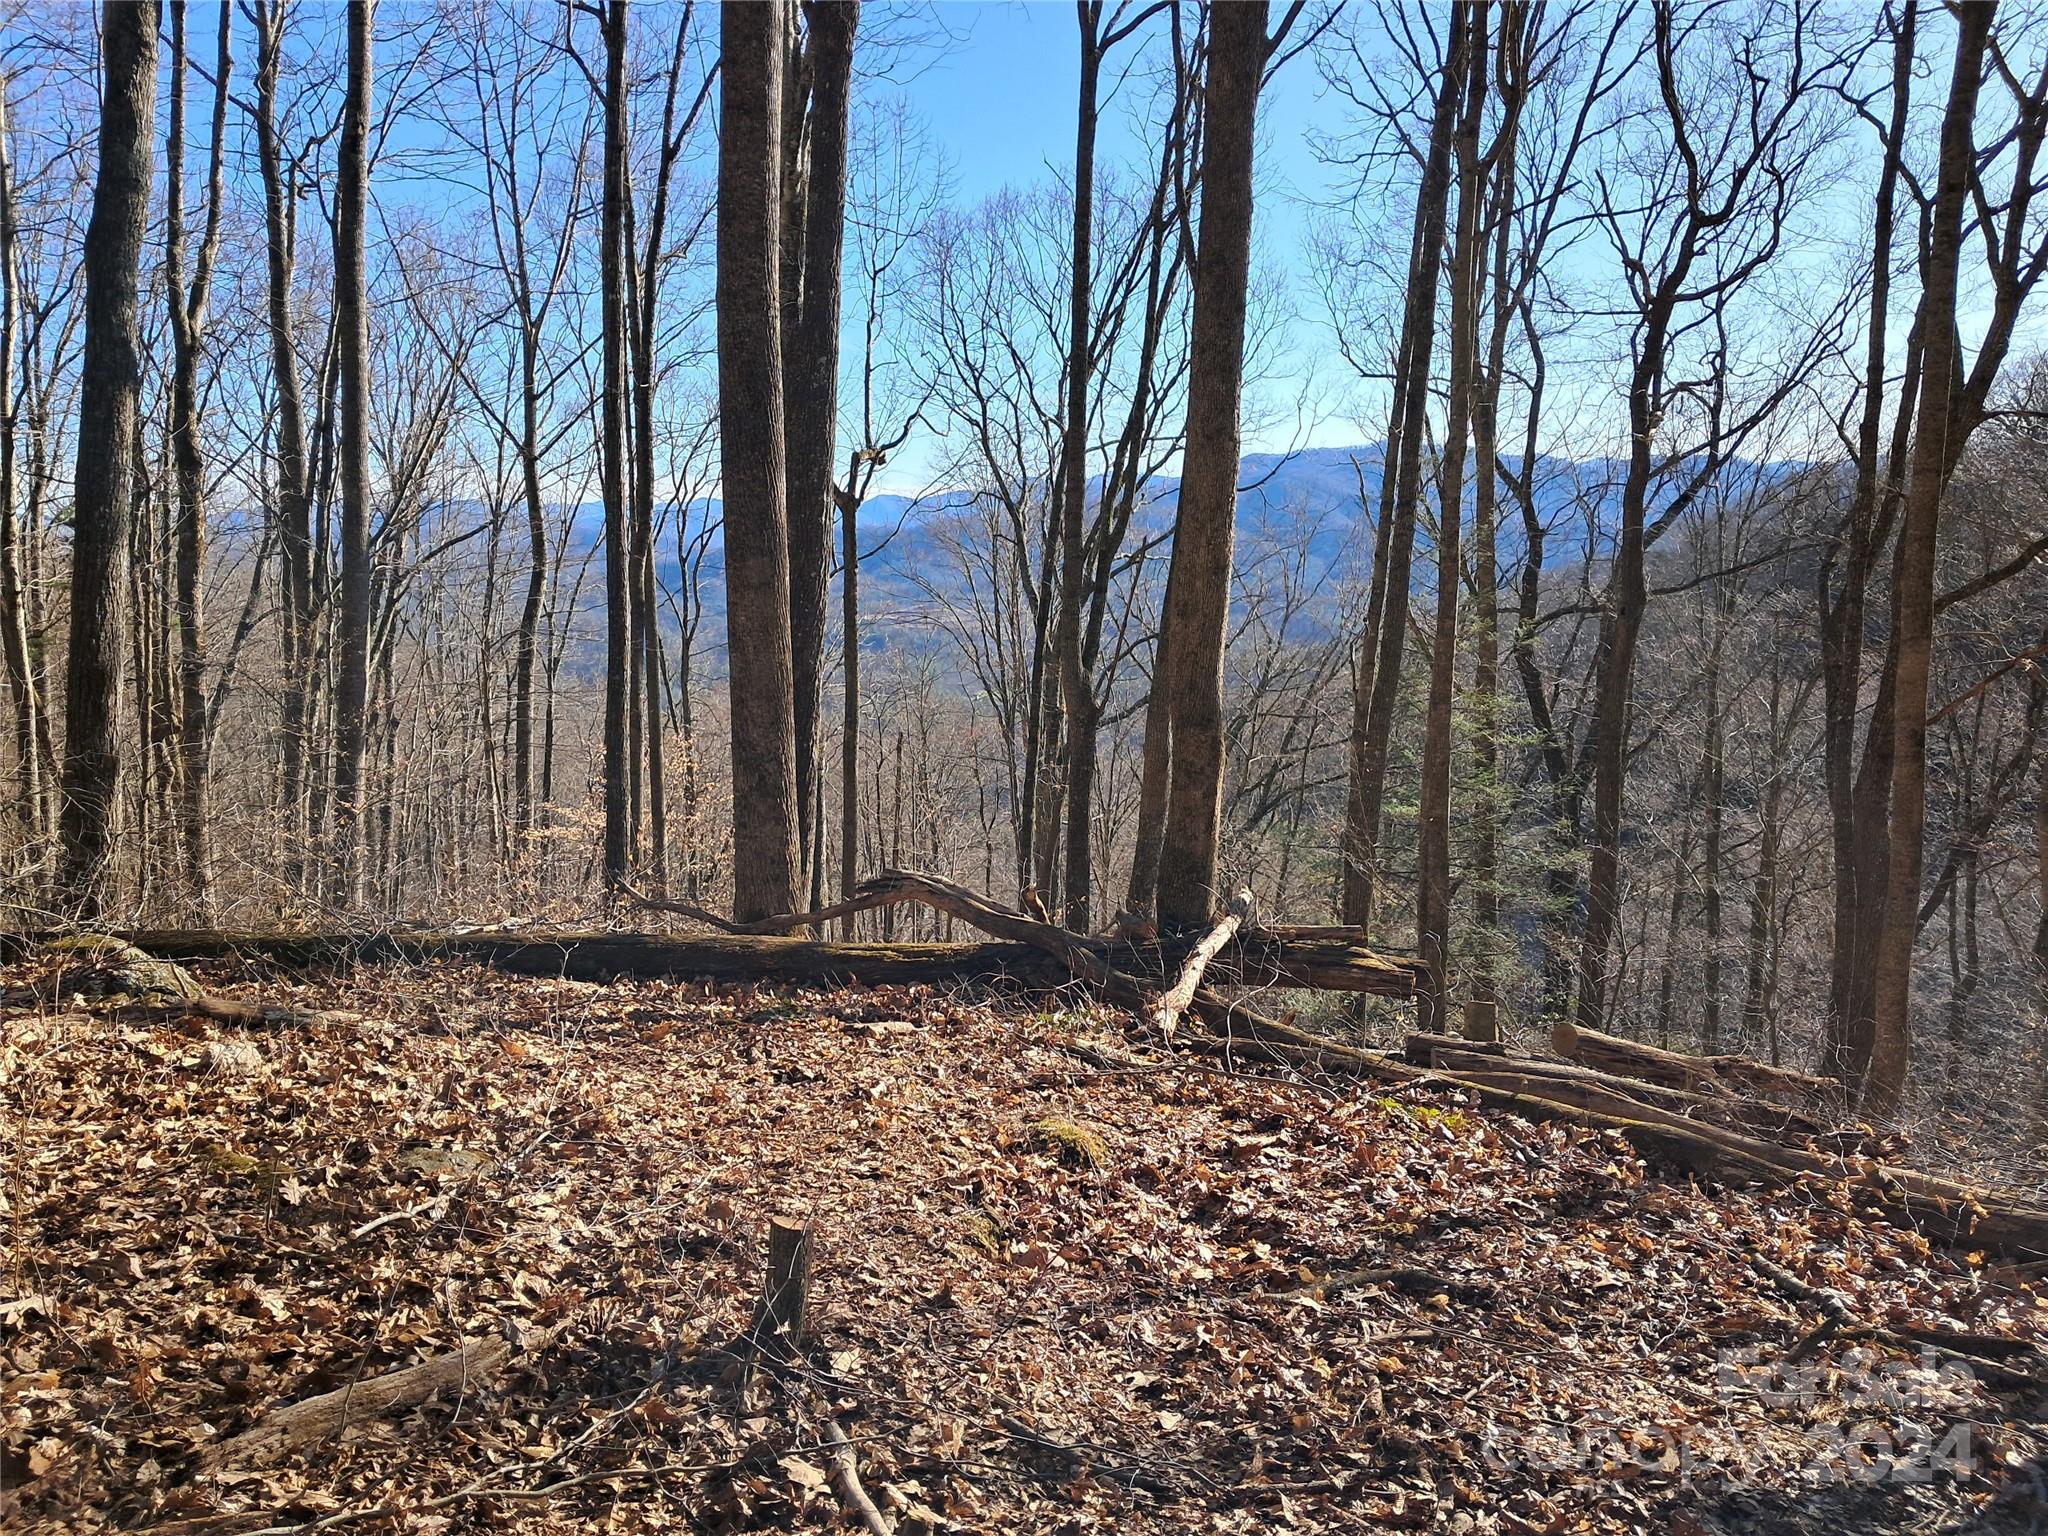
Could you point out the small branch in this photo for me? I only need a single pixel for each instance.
(379, 1222)
(846, 1480)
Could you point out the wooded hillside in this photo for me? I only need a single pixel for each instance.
(1206, 687)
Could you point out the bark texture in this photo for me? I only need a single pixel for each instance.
(1205, 531)
(765, 854)
(110, 384)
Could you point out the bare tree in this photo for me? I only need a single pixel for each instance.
(352, 329)
(110, 383)
(188, 308)
(1691, 233)
(811, 381)
(1927, 473)
(1378, 679)
(1200, 583)
(765, 856)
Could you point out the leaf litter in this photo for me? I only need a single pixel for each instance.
(1048, 1294)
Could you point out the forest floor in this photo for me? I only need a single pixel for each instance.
(1048, 1295)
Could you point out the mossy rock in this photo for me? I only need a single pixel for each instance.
(100, 966)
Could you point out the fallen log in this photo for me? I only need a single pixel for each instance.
(1942, 1209)
(1421, 1048)
(1771, 1121)
(1026, 950)
(1696, 1074)
(1983, 1356)
(285, 1429)
(594, 955)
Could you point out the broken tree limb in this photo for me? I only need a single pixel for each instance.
(846, 1482)
(1696, 1074)
(1177, 998)
(285, 1429)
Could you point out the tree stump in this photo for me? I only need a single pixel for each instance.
(778, 1327)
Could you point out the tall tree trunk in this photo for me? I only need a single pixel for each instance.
(1199, 586)
(811, 381)
(1859, 806)
(849, 721)
(110, 384)
(1433, 828)
(352, 322)
(1913, 576)
(1077, 689)
(619, 759)
(766, 861)
(30, 723)
(188, 308)
(294, 502)
(1372, 732)
(1512, 85)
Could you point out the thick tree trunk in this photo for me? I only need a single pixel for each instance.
(1200, 584)
(1913, 575)
(110, 382)
(811, 378)
(1859, 802)
(765, 854)
(352, 324)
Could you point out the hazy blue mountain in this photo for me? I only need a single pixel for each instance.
(1320, 500)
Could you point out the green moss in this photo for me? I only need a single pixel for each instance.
(1071, 1143)
(1456, 1121)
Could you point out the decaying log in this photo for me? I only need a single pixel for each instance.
(1982, 1355)
(1421, 1049)
(1696, 1074)
(1177, 998)
(591, 955)
(1326, 958)
(1752, 1116)
(1026, 950)
(1942, 1209)
(232, 1011)
(285, 1429)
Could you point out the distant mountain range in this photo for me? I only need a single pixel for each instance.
(1318, 501)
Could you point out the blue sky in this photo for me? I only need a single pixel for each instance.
(1000, 98)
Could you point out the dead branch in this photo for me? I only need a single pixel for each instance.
(1181, 994)
(846, 1482)
(284, 1429)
